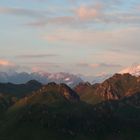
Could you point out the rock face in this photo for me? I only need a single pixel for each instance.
(60, 89)
(68, 93)
(119, 86)
(114, 88)
(51, 93)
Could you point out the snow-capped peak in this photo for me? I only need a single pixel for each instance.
(67, 79)
(133, 70)
(43, 77)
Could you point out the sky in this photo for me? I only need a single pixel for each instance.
(89, 37)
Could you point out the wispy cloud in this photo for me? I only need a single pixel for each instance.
(21, 12)
(126, 38)
(28, 56)
(100, 12)
(79, 15)
(105, 65)
(43, 66)
(82, 64)
(38, 23)
(98, 65)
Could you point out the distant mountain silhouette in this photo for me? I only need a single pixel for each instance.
(44, 78)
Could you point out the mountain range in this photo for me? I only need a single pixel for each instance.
(70, 79)
(44, 78)
(104, 111)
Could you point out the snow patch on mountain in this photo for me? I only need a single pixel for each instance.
(23, 77)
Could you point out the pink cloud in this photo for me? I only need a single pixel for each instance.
(36, 69)
(84, 12)
(52, 38)
(94, 65)
(5, 63)
(89, 12)
(7, 66)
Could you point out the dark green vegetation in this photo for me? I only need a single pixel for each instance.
(107, 111)
(19, 90)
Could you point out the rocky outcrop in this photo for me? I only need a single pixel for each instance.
(114, 88)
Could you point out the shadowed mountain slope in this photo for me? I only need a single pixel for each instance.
(19, 90)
